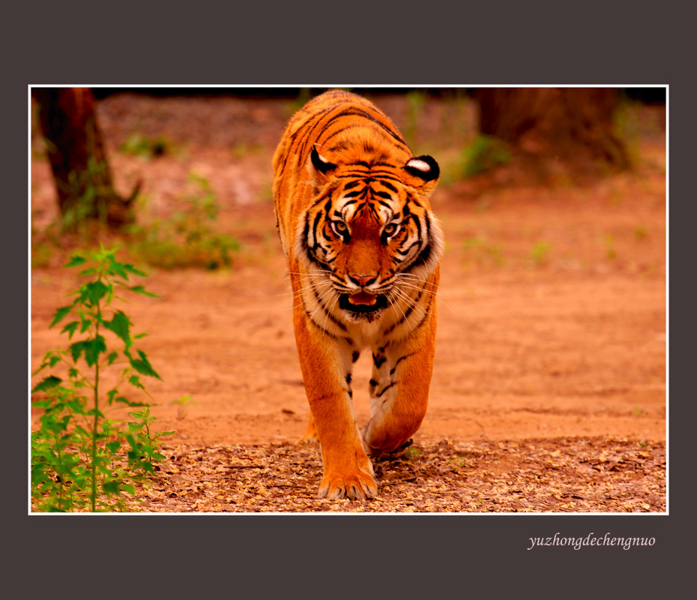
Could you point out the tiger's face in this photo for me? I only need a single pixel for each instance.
(368, 236)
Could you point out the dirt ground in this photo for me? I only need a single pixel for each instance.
(549, 387)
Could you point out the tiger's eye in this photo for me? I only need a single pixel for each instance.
(390, 229)
(340, 226)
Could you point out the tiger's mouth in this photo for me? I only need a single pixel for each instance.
(363, 302)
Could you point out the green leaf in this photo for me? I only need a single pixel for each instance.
(139, 289)
(85, 323)
(143, 366)
(51, 359)
(94, 291)
(70, 328)
(110, 487)
(131, 269)
(60, 314)
(112, 357)
(48, 383)
(75, 261)
(113, 446)
(116, 268)
(86, 272)
(134, 380)
(93, 348)
(76, 350)
(127, 402)
(120, 325)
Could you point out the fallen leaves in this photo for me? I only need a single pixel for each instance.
(549, 475)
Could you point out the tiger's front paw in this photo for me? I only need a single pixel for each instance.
(358, 485)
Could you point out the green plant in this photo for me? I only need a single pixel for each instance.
(80, 459)
(295, 105)
(459, 462)
(416, 99)
(242, 149)
(640, 234)
(478, 249)
(413, 453)
(540, 252)
(187, 239)
(610, 251)
(44, 243)
(85, 197)
(182, 404)
(485, 153)
(146, 148)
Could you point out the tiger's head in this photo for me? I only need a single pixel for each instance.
(369, 231)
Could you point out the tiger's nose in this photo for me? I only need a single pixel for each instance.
(363, 280)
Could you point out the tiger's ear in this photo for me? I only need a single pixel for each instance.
(321, 164)
(424, 168)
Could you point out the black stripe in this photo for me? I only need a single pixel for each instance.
(386, 388)
(309, 252)
(337, 132)
(357, 112)
(300, 133)
(322, 329)
(425, 254)
(412, 198)
(389, 186)
(378, 360)
(417, 222)
(426, 314)
(405, 316)
(408, 250)
(333, 319)
(315, 223)
(327, 194)
(308, 134)
(421, 259)
(385, 204)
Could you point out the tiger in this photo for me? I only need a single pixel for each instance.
(363, 250)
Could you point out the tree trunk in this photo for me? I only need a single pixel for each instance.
(80, 168)
(570, 128)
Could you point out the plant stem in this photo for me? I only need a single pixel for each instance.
(96, 416)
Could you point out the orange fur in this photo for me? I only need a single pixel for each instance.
(354, 218)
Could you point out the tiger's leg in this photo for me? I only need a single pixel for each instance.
(399, 390)
(326, 365)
